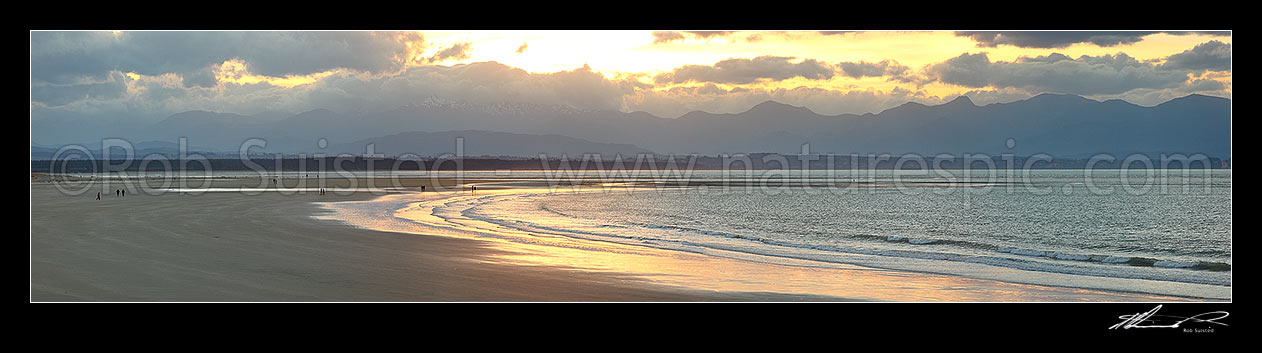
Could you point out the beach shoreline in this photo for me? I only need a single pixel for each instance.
(231, 246)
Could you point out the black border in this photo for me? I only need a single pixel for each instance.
(834, 325)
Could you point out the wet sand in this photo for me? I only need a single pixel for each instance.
(228, 246)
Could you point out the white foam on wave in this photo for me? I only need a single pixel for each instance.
(1176, 264)
(1025, 252)
(1073, 257)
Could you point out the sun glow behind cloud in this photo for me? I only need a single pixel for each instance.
(636, 54)
(632, 53)
(726, 71)
(236, 71)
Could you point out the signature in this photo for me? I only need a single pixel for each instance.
(1150, 319)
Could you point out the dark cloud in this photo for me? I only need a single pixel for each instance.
(970, 70)
(632, 84)
(482, 82)
(1206, 85)
(666, 36)
(1061, 39)
(200, 78)
(112, 87)
(1086, 75)
(1207, 33)
(708, 34)
(70, 57)
(660, 37)
(1212, 55)
(300, 53)
(1050, 58)
(863, 69)
(458, 51)
(344, 92)
(707, 89)
(739, 70)
(1052, 39)
(64, 57)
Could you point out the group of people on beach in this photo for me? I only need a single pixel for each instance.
(117, 193)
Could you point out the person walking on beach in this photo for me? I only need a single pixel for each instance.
(124, 192)
(98, 195)
(117, 192)
(422, 188)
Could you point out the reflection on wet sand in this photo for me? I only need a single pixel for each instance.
(444, 213)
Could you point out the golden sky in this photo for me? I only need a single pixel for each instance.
(664, 72)
(634, 51)
(627, 52)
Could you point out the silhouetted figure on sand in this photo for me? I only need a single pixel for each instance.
(118, 192)
(422, 188)
(98, 195)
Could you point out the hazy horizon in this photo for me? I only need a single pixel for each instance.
(273, 114)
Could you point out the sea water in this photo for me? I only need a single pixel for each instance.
(1163, 227)
(1160, 232)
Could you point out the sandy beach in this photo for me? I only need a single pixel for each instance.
(228, 246)
(233, 247)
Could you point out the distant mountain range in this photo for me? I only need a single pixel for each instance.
(1059, 125)
(484, 143)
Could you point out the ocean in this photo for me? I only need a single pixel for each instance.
(1165, 232)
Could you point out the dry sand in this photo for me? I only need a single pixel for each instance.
(227, 246)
